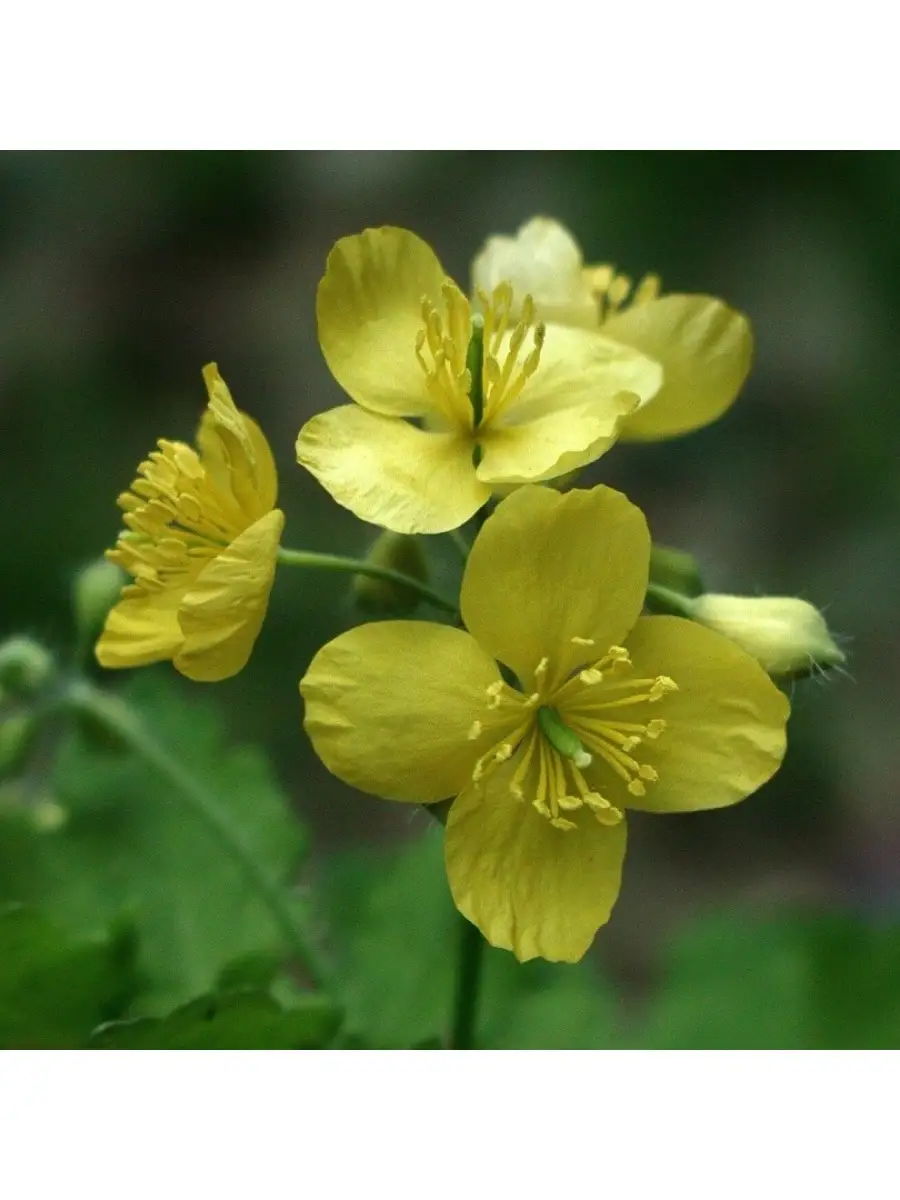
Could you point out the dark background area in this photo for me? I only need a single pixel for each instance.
(122, 274)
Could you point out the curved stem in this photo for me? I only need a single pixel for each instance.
(468, 980)
(124, 724)
(358, 566)
(665, 601)
(460, 543)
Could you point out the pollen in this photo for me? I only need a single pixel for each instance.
(175, 519)
(590, 702)
(613, 293)
(441, 347)
(508, 363)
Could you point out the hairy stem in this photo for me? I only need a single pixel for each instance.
(127, 727)
(357, 566)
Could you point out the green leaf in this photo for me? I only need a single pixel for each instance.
(243, 1020)
(131, 847)
(796, 980)
(54, 986)
(397, 929)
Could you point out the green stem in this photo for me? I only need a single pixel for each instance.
(124, 724)
(468, 980)
(664, 600)
(357, 566)
(460, 543)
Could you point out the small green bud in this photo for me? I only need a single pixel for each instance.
(48, 816)
(96, 589)
(16, 735)
(25, 666)
(386, 597)
(675, 570)
(786, 635)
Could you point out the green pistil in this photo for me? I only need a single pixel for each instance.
(561, 737)
(475, 366)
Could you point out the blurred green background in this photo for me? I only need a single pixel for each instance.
(122, 274)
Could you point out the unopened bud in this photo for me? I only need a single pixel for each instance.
(96, 589)
(675, 570)
(16, 735)
(786, 635)
(25, 666)
(387, 597)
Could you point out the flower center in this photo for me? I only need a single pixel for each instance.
(175, 520)
(592, 701)
(547, 757)
(550, 745)
(472, 368)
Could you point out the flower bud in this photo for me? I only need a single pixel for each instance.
(96, 589)
(25, 666)
(786, 635)
(676, 570)
(386, 597)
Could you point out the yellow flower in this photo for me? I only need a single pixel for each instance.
(201, 542)
(609, 711)
(703, 346)
(399, 337)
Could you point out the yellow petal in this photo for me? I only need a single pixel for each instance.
(390, 473)
(369, 309)
(547, 568)
(544, 261)
(725, 726)
(554, 444)
(222, 613)
(389, 707)
(538, 891)
(578, 367)
(234, 450)
(141, 630)
(705, 349)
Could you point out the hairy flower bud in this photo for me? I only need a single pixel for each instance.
(786, 635)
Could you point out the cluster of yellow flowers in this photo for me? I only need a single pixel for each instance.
(557, 706)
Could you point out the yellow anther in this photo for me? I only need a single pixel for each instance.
(580, 641)
(618, 291)
(541, 669)
(631, 743)
(540, 804)
(533, 699)
(503, 752)
(475, 731)
(618, 654)
(569, 803)
(648, 773)
(493, 693)
(590, 675)
(610, 816)
(654, 728)
(599, 279)
(563, 824)
(637, 788)
(491, 372)
(661, 686)
(648, 289)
